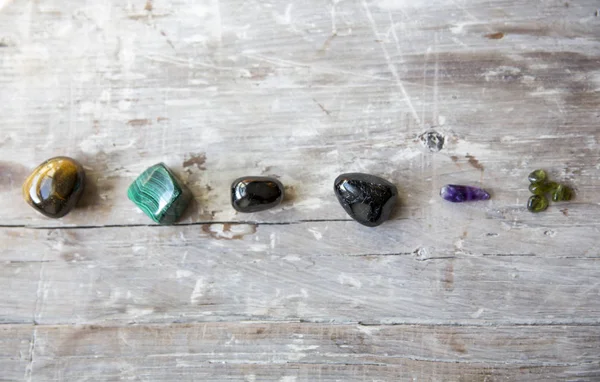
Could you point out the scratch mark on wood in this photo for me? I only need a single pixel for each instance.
(167, 39)
(327, 43)
(29, 368)
(391, 65)
(198, 291)
(322, 107)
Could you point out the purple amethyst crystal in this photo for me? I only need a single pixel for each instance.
(458, 194)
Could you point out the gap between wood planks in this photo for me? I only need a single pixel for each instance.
(200, 223)
(408, 323)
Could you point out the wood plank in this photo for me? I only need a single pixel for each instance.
(262, 97)
(316, 352)
(166, 370)
(462, 232)
(186, 274)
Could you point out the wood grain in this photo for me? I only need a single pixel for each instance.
(250, 100)
(422, 93)
(281, 272)
(268, 351)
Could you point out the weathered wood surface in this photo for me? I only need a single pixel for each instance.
(183, 274)
(292, 351)
(302, 90)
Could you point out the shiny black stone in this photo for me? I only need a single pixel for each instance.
(368, 199)
(256, 193)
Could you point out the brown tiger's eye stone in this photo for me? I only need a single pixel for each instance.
(55, 186)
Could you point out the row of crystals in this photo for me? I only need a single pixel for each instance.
(56, 185)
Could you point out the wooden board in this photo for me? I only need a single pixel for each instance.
(423, 93)
(294, 351)
(280, 272)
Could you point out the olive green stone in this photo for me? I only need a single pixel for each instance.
(537, 203)
(562, 194)
(538, 176)
(550, 186)
(536, 188)
(160, 194)
(542, 188)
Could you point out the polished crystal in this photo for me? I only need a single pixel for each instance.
(562, 193)
(256, 193)
(159, 194)
(537, 203)
(55, 186)
(368, 199)
(457, 194)
(538, 176)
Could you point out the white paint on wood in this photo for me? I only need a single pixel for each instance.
(308, 351)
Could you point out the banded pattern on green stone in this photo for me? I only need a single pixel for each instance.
(159, 194)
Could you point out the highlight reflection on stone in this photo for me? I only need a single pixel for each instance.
(55, 186)
(562, 193)
(537, 203)
(538, 176)
(160, 194)
(543, 188)
(368, 199)
(256, 193)
(457, 194)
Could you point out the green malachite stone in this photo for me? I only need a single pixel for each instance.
(562, 194)
(160, 194)
(537, 203)
(538, 176)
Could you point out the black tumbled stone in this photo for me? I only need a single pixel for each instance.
(256, 193)
(368, 199)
